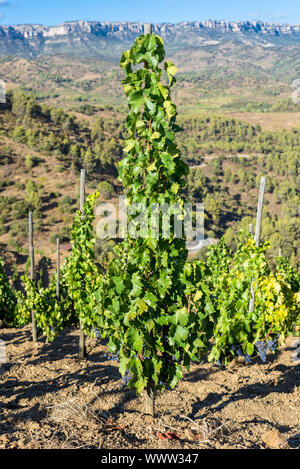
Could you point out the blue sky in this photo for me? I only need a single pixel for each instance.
(156, 11)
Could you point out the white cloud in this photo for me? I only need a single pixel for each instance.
(4, 3)
(279, 17)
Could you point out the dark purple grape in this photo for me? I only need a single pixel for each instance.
(262, 349)
(272, 344)
(247, 358)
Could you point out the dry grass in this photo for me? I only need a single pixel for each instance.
(73, 412)
(271, 120)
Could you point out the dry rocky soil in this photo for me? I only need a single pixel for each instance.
(50, 399)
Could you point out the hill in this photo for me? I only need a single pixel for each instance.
(83, 37)
(231, 65)
(43, 148)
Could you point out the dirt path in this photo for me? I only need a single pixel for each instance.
(45, 394)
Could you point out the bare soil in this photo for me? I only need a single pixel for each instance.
(270, 120)
(50, 399)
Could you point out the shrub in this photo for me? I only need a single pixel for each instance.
(105, 189)
(32, 161)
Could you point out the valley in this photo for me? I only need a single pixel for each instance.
(233, 94)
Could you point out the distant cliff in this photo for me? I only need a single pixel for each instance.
(123, 29)
(88, 38)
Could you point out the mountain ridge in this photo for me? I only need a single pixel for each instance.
(114, 28)
(80, 59)
(33, 40)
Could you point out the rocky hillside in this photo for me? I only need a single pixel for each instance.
(81, 37)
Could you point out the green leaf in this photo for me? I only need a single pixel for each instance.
(152, 243)
(250, 349)
(127, 88)
(140, 125)
(181, 334)
(130, 144)
(152, 166)
(165, 259)
(123, 364)
(171, 69)
(164, 90)
(150, 299)
(152, 44)
(176, 378)
(182, 316)
(167, 161)
(125, 59)
(142, 306)
(136, 100)
(170, 109)
(150, 105)
(119, 284)
(155, 136)
(175, 187)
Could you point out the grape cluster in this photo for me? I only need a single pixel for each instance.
(263, 346)
(126, 377)
(143, 356)
(97, 333)
(238, 350)
(109, 356)
(272, 344)
(262, 349)
(178, 360)
(247, 358)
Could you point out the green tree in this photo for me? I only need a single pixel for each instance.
(88, 161)
(32, 196)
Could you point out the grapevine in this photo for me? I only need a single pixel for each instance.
(81, 275)
(7, 298)
(147, 305)
(52, 314)
(239, 332)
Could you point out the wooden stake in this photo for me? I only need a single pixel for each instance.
(257, 232)
(82, 346)
(148, 28)
(251, 228)
(252, 298)
(57, 267)
(82, 192)
(32, 272)
(279, 252)
(259, 210)
(150, 398)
